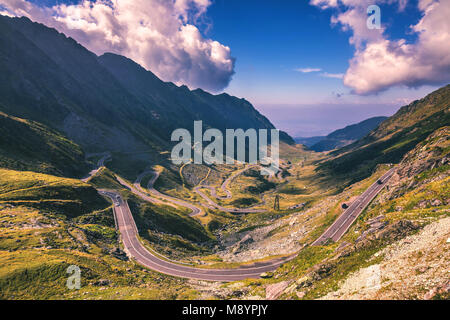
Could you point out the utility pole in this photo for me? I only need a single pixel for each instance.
(276, 204)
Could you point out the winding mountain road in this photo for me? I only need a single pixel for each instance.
(101, 163)
(196, 210)
(135, 249)
(228, 193)
(137, 190)
(346, 219)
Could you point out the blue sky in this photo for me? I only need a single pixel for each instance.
(270, 41)
(272, 38)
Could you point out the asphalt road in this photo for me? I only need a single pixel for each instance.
(195, 210)
(346, 219)
(134, 248)
(137, 190)
(100, 164)
(224, 186)
(228, 193)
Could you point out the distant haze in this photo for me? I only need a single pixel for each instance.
(321, 119)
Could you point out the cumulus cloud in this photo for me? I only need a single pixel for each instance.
(380, 63)
(159, 34)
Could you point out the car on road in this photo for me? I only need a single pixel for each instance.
(380, 181)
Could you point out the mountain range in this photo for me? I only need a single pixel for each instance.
(59, 101)
(342, 137)
(103, 103)
(392, 139)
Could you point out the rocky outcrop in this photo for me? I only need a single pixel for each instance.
(441, 292)
(322, 271)
(217, 290)
(431, 154)
(415, 267)
(381, 230)
(119, 254)
(273, 291)
(243, 244)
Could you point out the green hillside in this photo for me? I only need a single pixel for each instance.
(392, 139)
(48, 224)
(347, 135)
(30, 146)
(417, 197)
(55, 195)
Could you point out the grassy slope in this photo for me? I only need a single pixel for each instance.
(48, 223)
(167, 220)
(34, 260)
(28, 145)
(413, 198)
(105, 179)
(345, 136)
(57, 195)
(392, 139)
(168, 230)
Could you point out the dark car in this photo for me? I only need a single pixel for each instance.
(380, 182)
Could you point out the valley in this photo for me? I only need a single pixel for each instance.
(244, 244)
(87, 179)
(129, 232)
(240, 259)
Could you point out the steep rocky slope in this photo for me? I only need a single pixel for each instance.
(374, 260)
(392, 139)
(397, 249)
(412, 268)
(178, 107)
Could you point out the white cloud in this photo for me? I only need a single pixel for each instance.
(322, 74)
(324, 4)
(308, 70)
(332, 75)
(158, 34)
(380, 63)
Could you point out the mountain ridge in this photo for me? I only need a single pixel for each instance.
(50, 78)
(392, 139)
(345, 136)
(30, 146)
